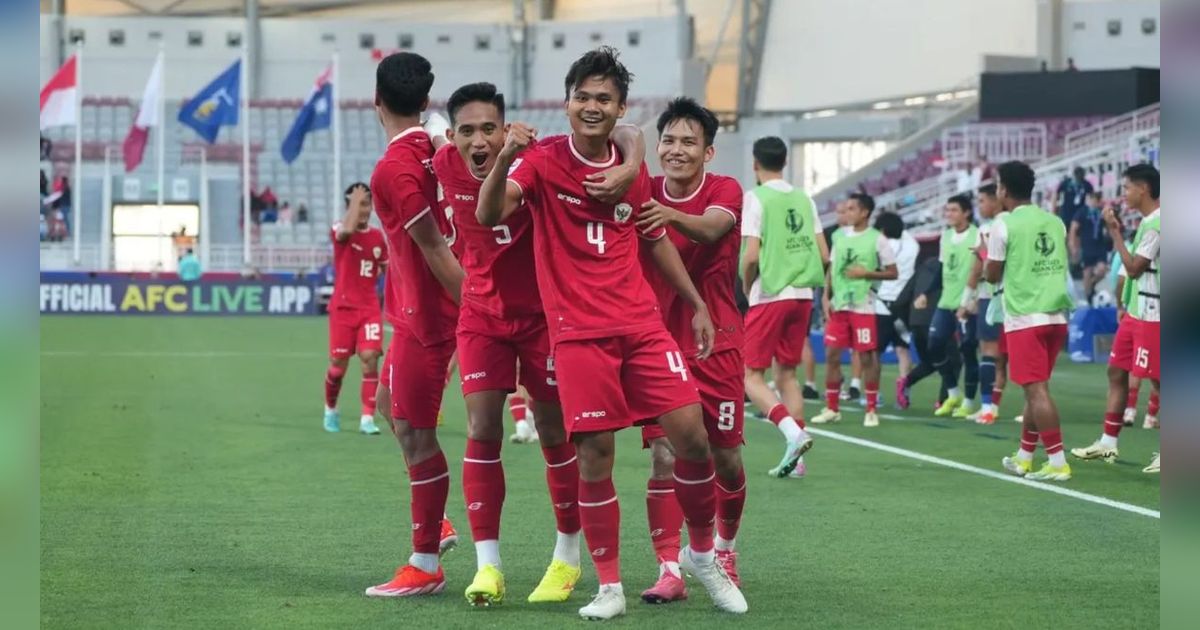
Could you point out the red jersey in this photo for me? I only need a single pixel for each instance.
(712, 268)
(357, 263)
(497, 260)
(404, 190)
(586, 251)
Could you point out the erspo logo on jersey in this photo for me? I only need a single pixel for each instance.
(119, 296)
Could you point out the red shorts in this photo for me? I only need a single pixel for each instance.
(415, 376)
(776, 330)
(353, 330)
(1145, 349)
(1002, 341)
(847, 329)
(614, 382)
(721, 381)
(489, 349)
(1121, 355)
(1033, 352)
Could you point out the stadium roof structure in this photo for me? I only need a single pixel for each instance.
(452, 10)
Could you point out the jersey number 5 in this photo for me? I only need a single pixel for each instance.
(595, 235)
(504, 235)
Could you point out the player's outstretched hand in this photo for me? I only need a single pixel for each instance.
(610, 186)
(653, 216)
(921, 302)
(702, 328)
(519, 137)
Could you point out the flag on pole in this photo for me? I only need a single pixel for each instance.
(216, 105)
(58, 97)
(147, 117)
(317, 113)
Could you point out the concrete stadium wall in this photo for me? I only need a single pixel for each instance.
(1087, 40)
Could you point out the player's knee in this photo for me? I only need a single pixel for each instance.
(370, 362)
(662, 459)
(728, 462)
(339, 363)
(1117, 376)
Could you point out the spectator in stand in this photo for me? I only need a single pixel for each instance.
(43, 227)
(285, 214)
(63, 204)
(1071, 65)
(1090, 243)
(269, 199)
(46, 148)
(302, 214)
(189, 267)
(1072, 195)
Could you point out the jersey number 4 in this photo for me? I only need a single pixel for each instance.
(595, 235)
(676, 364)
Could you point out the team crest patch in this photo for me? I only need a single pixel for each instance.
(376, 251)
(622, 212)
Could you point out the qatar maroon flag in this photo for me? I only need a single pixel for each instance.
(147, 117)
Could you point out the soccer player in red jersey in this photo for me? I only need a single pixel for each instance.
(421, 304)
(359, 257)
(503, 338)
(700, 211)
(616, 364)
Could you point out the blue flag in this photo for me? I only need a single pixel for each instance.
(317, 113)
(216, 105)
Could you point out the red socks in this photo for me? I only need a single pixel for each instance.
(1131, 398)
(665, 517)
(429, 482)
(601, 516)
(997, 394)
(370, 385)
(696, 492)
(872, 392)
(833, 392)
(562, 478)
(1152, 408)
(483, 488)
(1029, 439)
(1113, 424)
(333, 384)
(779, 412)
(516, 406)
(1052, 441)
(730, 502)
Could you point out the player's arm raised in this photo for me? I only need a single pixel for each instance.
(498, 197)
(1134, 265)
(358, 209)
(611, 185)
(666, 258)
(707, 228)
(425, 233)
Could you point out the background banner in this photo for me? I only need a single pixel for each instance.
(108, 295)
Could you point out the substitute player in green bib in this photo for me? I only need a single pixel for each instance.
(1135, 347)
(783, 260)
(860, 257)
(1027, 249)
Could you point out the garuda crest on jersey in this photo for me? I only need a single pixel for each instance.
(622, 212)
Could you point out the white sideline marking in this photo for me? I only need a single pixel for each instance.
(182, 354)
(1082, 496)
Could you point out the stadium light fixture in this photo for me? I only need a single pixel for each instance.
(944, 96)
(882, 105)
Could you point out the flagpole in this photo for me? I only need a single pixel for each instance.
(77, 191)
(245, 123)
(334, 97)
(205, 237)
(162, 123)
(106, 212)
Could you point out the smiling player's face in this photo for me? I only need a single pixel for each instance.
(594, 107)
(478, 134)
(681, 150)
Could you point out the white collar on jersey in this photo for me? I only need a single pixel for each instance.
(412, 129)
(612, 154)
(667, 195)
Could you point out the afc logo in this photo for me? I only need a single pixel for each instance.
(953, 261)
(851, 258)
(1044, 244)
(794, 221)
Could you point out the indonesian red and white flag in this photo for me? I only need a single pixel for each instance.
(58, 106)
(135, 142)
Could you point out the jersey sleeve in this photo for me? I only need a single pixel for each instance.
(639, 193)
(525, 172)
(441, 162)
(401, 189)
(998, 241)
(333, 231)
(727, 196)
(883, 248)
(752, 211)
(1148, 246)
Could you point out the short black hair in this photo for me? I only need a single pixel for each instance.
(864, 200)
(988, 189)
(482, 92)
(771, 153)
(962, 201)
(1079, 172)
(1095, 194)
(601, 62)
(402, 83)
(1017, 178)
(1146, 174)
(351, 188)
(890, 224)
(686, 108)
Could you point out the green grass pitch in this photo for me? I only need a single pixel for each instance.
(186, 482)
